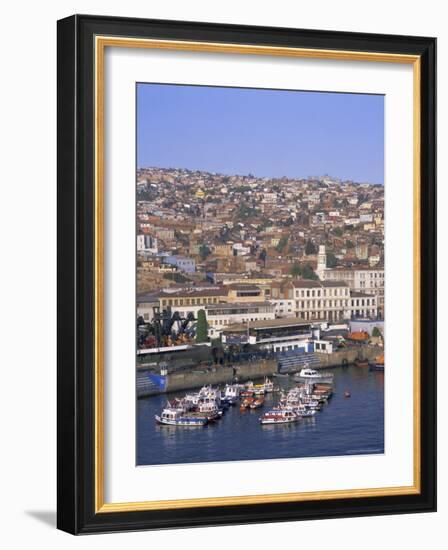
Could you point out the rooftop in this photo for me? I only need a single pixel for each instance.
(333, 284)
(238, 305)
(243, 286)
(147, 297)
(273, 323)
(301, 283)
(192, 291)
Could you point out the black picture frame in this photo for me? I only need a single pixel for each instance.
(76, 256)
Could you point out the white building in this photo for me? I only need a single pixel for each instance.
(321, 300)
(145, 304)
(277, 335)
(220, 316)
(147, 243)
(365, 280)
(284, 307)
(363, 306)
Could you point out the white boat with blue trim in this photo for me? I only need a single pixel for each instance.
(173, 417)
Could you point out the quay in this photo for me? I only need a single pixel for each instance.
(150, 382)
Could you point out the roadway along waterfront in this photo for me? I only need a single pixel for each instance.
(344, 426)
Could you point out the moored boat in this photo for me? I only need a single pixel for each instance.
(231, 393)
(171, 417)
(208, 408)
(246, 403)
(378, 363)
(268, 385)
(257, 403)
(279, 416)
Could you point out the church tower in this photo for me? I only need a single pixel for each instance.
(321, 261)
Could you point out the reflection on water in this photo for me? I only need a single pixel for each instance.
(344, 426)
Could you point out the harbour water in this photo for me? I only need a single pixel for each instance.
(344, 426)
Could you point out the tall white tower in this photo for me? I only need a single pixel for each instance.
(321, 261)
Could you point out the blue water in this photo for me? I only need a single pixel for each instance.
(344, 426)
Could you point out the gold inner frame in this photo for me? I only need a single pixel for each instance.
(101, 42)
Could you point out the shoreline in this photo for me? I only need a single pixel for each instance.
(149, 384)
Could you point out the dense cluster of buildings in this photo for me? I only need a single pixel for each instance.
(249, 250)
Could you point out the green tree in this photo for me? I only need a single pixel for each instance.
(204, 251)
(310, 248)
(244, 212)
(282, 244)
(332, 261)
(376, 333)
(337, 231)
(177, 277)
(308, 272)
(295, 270)
(201, 327)
(349, 244)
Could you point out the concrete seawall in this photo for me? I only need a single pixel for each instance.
(219, 375)
(346, 357)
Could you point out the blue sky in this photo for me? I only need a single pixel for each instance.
(269, 133)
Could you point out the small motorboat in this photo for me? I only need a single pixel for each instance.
(347, 394)
(246, 403)
(378, 363)
(311, 375)
(257, 403)
(361, 363)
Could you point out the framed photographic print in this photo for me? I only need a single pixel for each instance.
(246, 271)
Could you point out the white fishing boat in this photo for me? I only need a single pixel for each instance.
(231, 393)
(306, 413)
(172, 417)
(268, 385)
(279, 416)
(301, 410)
(311, 404)
(192, 399)
(208, 392)
(208, 407)
(179, 405)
